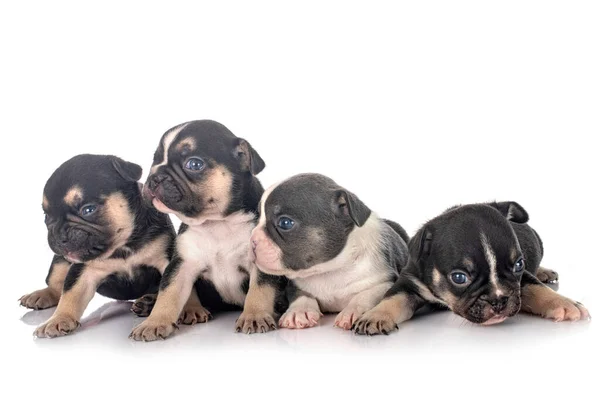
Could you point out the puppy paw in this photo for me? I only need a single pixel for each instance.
(374, 322)
(565, 309)
(194, 314)
(57, 326)
(255, 322)
(143, 306)
(300, 318)
(546, 275)
(152, 330)
(347, 317)
(41, 299)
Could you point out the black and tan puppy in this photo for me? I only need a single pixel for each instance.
(481, 262)
(339, 256)
(104, 238)
(205, 175)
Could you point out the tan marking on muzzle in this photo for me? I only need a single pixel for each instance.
(45, 203)
(73, 196)
(216, 187)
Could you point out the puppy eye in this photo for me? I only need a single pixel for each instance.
(285, 223)
(459, 278)
(519, 266)
(195, 164)
(88, 210)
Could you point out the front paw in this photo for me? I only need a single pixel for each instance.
(546, 276)
(152, 330)
(143, 306)
(374, 323)
(57, 326)
(565, 309)
(300, 318)
(40, 299)
(255, 322)
(347, 317)
(194, 314)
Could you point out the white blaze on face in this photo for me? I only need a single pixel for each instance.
(262, 221)
(166, 144)
(492, 261)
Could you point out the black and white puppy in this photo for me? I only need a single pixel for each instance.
(339, 256)
(104, 238)
(481, 262)
(205, 175)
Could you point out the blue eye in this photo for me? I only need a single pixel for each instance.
(519, 266)
(88, 210)
(195, 164)
(459, 278)
(285, 223)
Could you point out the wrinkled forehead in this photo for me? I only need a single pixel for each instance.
(476, 235)
(196, 138)
(301, 198)
(73, 189)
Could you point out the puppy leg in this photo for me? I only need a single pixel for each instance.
(546, 275)
(79, 288)
(259, 307)
(175, 287)
(362, 302)
(303, 312)
(48, 297)
(398, 305)
(193, 311)
(538, 299)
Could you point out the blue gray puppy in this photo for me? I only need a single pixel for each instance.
(338, 255)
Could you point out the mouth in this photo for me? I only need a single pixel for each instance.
(72, 257)
(494, 320)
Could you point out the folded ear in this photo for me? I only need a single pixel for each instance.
(419, 246)
(128, 171)
(511, 211)
(249, 159)
(348, 204)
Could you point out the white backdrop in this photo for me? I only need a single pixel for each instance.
(414, 106)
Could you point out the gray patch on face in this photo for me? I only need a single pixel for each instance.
(321, 224)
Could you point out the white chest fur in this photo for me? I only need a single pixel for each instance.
(219, 251)
(357, 268)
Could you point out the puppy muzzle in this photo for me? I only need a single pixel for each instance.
(488, 311)
(76, 245)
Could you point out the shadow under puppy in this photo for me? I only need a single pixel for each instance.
(104, 238)
(481, 262)
(205, 175)
(339, 256)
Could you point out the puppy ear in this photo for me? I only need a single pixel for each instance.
(248, 157)
(128, 171)
(348, 204)
(511, 211)
(419, 246)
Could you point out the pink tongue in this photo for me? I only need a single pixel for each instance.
(494, 320)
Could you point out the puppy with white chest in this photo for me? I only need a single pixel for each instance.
(104, 239)
(481, 261)
(205, 175)
(338, 255)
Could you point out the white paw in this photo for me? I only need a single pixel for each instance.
(300, 318)
(347, 317)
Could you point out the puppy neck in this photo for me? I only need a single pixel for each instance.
(231, 220)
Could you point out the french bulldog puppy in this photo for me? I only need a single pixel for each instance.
(481, 262)
(105, 239)
(205, 175)
(338, 255)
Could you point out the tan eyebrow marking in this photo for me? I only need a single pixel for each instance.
(73, 196)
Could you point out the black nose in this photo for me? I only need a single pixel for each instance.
(155, 180)
(499, 303)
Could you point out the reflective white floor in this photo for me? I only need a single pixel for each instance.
(438, 348)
